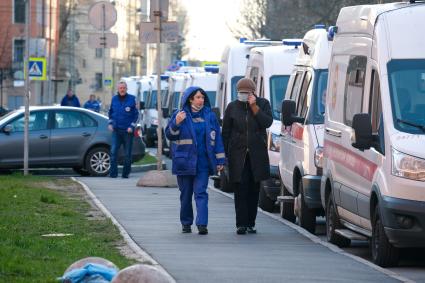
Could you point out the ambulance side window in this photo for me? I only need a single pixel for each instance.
(296, 86)
(253, 74)
(302, 101)
(354, 86)
(375, 110)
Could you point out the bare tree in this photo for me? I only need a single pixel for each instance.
(179, 49)
(252, 21)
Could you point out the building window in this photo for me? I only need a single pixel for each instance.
(18, 53)
(19, 11)
(99, 52)
(99, 80)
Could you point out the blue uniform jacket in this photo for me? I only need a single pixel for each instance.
(92, 105)
(123, 114)
(73, 101)
(183, 138)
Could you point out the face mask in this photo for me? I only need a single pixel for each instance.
(243, 96)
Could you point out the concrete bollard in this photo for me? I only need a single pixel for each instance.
(141, 273)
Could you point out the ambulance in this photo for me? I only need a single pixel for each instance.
(373, 183)
(270, 67)
(301, 143)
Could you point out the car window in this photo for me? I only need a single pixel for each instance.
(354, 85)
(37, 122)
(69, 119)
(375, 108)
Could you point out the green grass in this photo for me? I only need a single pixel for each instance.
(28, 210)
(148, 159)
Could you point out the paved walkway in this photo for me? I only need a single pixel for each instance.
(278, 253)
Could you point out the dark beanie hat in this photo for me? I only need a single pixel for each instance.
(245, 85)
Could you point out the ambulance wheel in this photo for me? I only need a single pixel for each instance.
(98, 161)
(286, 207)
(332, 223)
(306, 216)
(383, 252)
(264, 202)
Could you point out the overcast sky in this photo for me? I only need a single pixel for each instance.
(208, 33)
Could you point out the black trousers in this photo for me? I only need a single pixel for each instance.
(246, 197)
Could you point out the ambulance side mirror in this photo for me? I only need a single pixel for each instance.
(362, 125)
(288, 113)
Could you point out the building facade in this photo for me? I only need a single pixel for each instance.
(44, 27)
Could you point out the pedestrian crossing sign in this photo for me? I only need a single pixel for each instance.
(37, 69)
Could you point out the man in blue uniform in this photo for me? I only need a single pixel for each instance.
(123, 116)
(70, 99)
(92, 104)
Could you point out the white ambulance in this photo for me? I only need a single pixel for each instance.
(150, 113)
(373, 183)
(270, 67)
(302, 131)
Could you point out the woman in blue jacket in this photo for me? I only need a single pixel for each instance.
(197, 152)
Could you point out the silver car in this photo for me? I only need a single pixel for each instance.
(61, 137)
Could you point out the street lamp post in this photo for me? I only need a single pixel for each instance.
(27, 85)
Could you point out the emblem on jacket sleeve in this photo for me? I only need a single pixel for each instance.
(127, 109)
(212, 134)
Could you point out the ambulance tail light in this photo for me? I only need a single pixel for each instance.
(407, 166)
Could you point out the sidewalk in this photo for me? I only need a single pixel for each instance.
(278, 253)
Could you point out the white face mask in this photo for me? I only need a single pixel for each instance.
(243, 96)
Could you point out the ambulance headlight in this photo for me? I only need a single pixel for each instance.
(407, 166)
(275, 143)
(318, 157)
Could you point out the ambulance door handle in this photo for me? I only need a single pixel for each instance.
(332, 132)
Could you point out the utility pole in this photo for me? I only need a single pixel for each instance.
(157, 15)
(27, 84)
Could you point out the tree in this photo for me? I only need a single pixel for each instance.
(289, 18)
(179, 49)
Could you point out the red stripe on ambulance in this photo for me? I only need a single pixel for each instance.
(356, 163)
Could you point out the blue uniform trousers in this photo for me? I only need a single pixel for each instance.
(121, 137)
(197, 185)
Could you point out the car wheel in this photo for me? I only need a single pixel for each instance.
(306, 216)
(332, 223)
(286, 207)
(264, 202)
(81, 171)
(149, 142)
(98, 161)
(383, 252)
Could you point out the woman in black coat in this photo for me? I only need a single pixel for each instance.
(245, 143)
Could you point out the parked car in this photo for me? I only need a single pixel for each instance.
(3, 111)
(374, 155)
(61, 137)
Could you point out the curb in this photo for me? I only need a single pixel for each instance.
(330, 246)
(127, 238)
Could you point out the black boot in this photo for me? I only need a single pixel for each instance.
(241, 230)
(202, 230)
(186, 229)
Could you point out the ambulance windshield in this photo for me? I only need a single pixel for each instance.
(407, 89)
(278, 86)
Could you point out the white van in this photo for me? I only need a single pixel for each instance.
(150, 113)
(270, 67)
(373, 183)
(302, 131)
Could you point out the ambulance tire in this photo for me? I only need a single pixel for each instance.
(306, 216)
(264, 202)
(333, 223)
(383, 252)
(286, 207)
